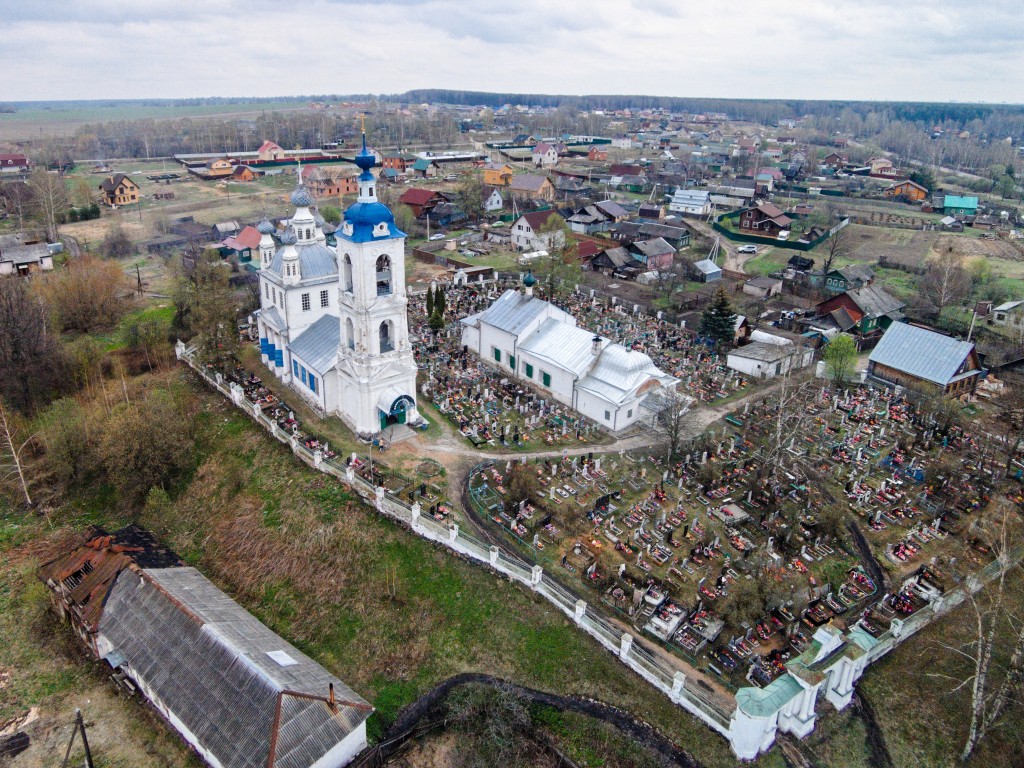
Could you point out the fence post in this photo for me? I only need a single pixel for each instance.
(379, 493)
(625, 644)
(179, 349)
(494, 557)
(535, 576)
(256, 410)
(581, 610)
(453, 532)
(350, 475)
(414, 512)
(317, 458)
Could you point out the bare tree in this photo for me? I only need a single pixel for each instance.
(51, 199)
(671, 419)
(839, 245)
(946, 283)
(12, 446)
(995, 650)
(18, 200)
(31, 358)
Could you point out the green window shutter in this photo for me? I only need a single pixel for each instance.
(497, 355)
(512, 362)
(546, 379)
(529, 371)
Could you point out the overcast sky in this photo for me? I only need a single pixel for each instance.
(941, 50)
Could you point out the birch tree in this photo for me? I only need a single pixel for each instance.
(995, 651)
(51, 199)
(12, 448)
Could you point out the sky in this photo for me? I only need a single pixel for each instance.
(941, 50)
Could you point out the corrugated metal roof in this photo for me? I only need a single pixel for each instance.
(921, 353)
(272, 316)
(563, 345)
(619, 372)
(315, 260)
(317, 346)
(875, 302)
(707, 266)
(513, 311)
(206, 659)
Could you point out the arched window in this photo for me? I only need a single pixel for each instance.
(309, 233)
(346, 268)
(383, 276)
(350, 333)
(387, 342)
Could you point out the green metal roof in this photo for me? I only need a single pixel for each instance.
(765, 702)
(958, 201)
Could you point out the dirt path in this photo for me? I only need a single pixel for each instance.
(410, 719)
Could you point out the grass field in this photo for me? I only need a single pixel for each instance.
(33, 120)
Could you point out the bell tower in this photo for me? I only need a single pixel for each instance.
(376, 370)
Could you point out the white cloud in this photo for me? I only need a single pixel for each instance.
(844, 49)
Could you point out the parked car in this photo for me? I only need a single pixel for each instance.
(438, 236)
(747, 249)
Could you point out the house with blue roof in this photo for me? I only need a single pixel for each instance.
(919, 358)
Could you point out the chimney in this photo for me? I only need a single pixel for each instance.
(596, 345)
(331, 703)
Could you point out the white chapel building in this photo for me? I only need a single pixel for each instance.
(539, 343)
(332, 322)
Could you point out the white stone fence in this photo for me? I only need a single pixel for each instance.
(666, 679)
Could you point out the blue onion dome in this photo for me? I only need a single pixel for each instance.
(365, 158)
(529, 280)
(288, 237)
(301, 197)
(265, 227)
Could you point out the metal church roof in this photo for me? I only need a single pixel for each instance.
(566, 346)
(513, 311)
(316, 260)
(921, 353)
(317, 346)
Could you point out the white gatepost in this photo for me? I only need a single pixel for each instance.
(179, 349)
(494, 557)
(236, 394)
(453, 532)
(581, 610)
(535, 576)
(350, 475)
(256, 411)
(414, 512)
(625, 645)
(318, 457)
(678, 681)
(379, 492)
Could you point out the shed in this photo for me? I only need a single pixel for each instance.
(706, 271)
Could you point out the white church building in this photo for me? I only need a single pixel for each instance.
(536, 342)
(332, 322)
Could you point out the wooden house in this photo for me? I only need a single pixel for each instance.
(119, 189)
(911, 356)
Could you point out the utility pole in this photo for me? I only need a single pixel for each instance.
(79, 728)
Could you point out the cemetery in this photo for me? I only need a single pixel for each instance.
(736, 554)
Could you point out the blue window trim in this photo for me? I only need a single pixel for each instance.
(302, 370)
(295, 368)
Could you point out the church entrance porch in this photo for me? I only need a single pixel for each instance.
(395, 408)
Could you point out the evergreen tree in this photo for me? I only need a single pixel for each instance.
(440, 302)
(430, 301)
(719, 321)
